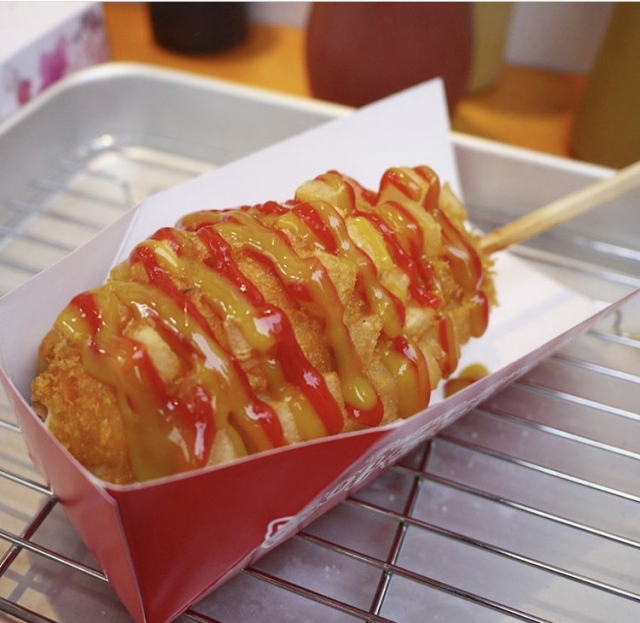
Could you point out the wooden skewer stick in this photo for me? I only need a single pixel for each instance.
(562, 209)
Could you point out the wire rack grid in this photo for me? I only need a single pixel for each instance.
(527, 509)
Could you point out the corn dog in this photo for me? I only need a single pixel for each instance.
(242, 330)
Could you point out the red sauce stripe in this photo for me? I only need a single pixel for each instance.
(297, 369)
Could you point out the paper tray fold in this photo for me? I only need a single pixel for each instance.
(165, 544)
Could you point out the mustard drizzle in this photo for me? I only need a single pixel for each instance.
(172, 431)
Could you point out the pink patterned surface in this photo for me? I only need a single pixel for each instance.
(77, 43)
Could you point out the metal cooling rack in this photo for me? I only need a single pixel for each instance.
(527, 509)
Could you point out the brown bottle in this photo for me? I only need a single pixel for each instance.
(362, 51)
(198, 27)
(607, 126)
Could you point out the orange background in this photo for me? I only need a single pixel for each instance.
(527, 107)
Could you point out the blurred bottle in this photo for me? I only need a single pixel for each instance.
(491, 22)
(198, 27)
(607, 126)
(359, 52)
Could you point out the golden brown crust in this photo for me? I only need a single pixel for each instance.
(80, 411)
(88, 416)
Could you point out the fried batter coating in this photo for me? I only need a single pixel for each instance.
(242, 330)
(93, 432)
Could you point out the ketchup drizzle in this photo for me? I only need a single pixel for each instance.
(261, 232)
(297, 369)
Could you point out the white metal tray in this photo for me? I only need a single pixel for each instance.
(527, 509)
